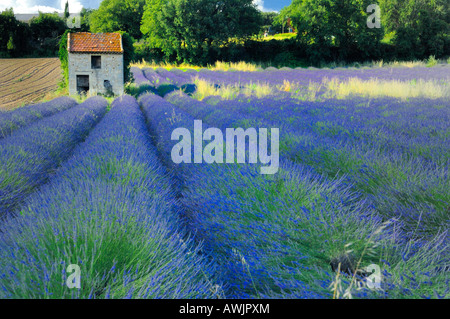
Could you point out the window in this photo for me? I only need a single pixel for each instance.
(96, 62)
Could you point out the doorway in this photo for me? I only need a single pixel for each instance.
(82, 84)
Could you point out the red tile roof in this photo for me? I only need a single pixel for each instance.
(85, 42)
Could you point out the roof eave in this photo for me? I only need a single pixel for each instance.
(94, 52)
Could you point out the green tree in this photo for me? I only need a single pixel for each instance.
(150, 22)
(22, 34)
(85, 25)
(194, 30)
(114, 15)
(280, 20)
(7, 24)
(335, 29)
(270, 22)
(128, 55)
(66, 10)
(421, 27)
(14, 35)
(46, 30)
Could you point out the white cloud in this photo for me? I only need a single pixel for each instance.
(74, 5)
(260, 5)
(30, 6)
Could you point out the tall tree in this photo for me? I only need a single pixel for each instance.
(342, 24)
(7, 25)
(47, 29)
(115, 15)
(66, 10)
(14, 35)
(421, 27)
(85, 15)
(192, 28)
(150, 21)
(270, 21)
(128, 55)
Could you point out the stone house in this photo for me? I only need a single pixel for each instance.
(95, 63)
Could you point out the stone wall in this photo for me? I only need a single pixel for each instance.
(111, 70)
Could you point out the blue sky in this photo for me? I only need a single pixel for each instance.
(32, 6)
(273, 5)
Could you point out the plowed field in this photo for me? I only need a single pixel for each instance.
(25, 81)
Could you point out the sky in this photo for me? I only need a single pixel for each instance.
(33, 6)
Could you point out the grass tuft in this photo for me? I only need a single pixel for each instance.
(393, 88)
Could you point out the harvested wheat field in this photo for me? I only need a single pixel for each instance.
(25, 81)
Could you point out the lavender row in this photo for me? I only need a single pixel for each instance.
(398, 186)
(275, 237)
(173, 78)
(10, 121)
(29, 156)
(418, 128)
(208, 218)
(154, 78)
(305, 76)
(302, 77)
(139, 77)
(110, 210)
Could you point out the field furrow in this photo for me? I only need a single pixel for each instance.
(254, 225)
(30, 156)
(24, 81)
(114, 199)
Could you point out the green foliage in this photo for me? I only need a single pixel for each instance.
(145, 50)
(288, 52)
(128, 55)
(270, 22)
(63, 57)
(113, 15)
(85, 20)
(66, 10)
(335, 29)
(150, 22)
(421, 27)
(194, 30)
(432, 61)
(14, 35)
(7, 25)
(285, 59)
(10, 45)
(46, 30)
(203, 31)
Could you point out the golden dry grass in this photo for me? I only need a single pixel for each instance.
(399, 64)
(165, 65)
(229, 92)
(252, 67)
(391, 88)
(333, 88)
(238, 66)
(218, 66)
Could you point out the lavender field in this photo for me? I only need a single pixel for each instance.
(362, 182)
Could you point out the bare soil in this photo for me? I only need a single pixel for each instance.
(26, 81)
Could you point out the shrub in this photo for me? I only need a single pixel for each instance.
(431, 61)
(285, 59)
